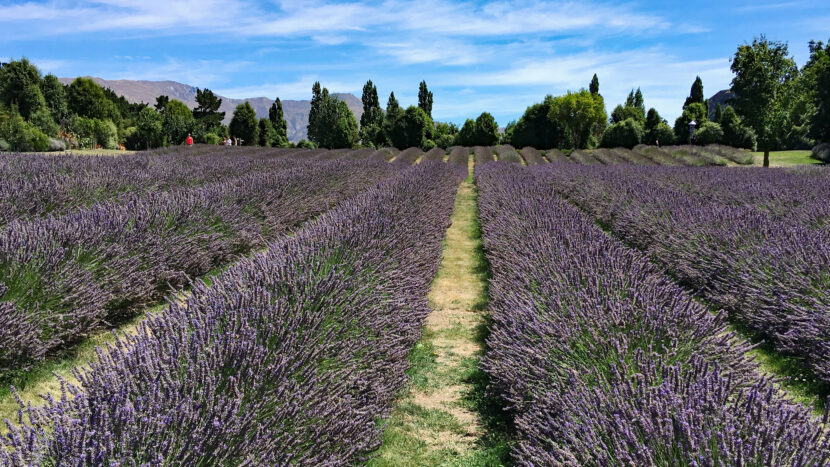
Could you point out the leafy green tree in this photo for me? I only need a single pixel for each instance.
(177, 122)
(277, 118)
(393, 123)
(535, 129)
(634, 108)
(345, 132)
(653, 120)
(87, 99)
(331, 123)
(371, 122)
(244, 124)
(709, 133)
(267, 133)
(718, 114)
(487, 130)
(762, 69)
(663, 135)
(22, 136)
(43, 120)
(149, 131)
(54, 92)
(161, 103)
(696, 94)
(16, 79)
(207, 113)
(417, 127)
(31, 102)
(580, 114)
(467, 134)
(696, 112)
(594, 87)
(735, 133)
(817, 82)
(425, 99)
(444, 134)
(483, 131)
(314, 126)
(627, 134)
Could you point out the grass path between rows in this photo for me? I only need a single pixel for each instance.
(444, 417)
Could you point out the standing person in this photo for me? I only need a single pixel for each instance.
(189, 140)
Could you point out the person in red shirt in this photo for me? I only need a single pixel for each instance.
(189, 140)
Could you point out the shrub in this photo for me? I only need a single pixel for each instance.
(709, 133)
(663, 135)
(627, 133)
(21, 135)
(822, 152)
(106, 134)
(428, 144)
(445, 141)
(210, 138)
(306, 144)
(57, 144)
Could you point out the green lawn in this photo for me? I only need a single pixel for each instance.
(785, 158)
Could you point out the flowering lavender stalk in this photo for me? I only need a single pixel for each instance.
(603, 360)
(287, 358)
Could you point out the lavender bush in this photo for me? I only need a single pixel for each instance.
(435, 154)
(483, 155)
(532, 156)
(408, 156)
(460, 157)
(603, 360)
(288, 358)
(507, 153)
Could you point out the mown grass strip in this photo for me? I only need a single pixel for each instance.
(445, 416)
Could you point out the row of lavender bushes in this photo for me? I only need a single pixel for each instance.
(604, 360)
(288, 358)
(753, 242)
(65, 276)
(37, 184)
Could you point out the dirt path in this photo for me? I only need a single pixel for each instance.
(438, 421)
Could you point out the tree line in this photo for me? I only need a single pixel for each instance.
(774, 104)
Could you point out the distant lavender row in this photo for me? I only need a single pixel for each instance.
(64, 276)
(34, 185)
(604, 360)
(408, 156)
(507, 153)
(756, 242)
(483, 155)
(288, 358)
(460, 157)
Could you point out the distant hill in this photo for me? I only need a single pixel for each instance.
(719, 98)
(296, 111)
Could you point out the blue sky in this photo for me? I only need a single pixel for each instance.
(475, 56)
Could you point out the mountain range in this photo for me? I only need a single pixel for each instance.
(296, 111)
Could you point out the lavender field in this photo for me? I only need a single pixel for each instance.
(623, 298)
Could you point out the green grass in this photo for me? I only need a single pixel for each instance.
(786, 158)
(416, 435)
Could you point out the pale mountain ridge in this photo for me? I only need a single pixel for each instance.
(296, 111)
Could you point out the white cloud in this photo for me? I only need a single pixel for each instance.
(298, 89)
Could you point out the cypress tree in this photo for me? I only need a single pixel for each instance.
(277, 118)
(594, 87)
(425, 99)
